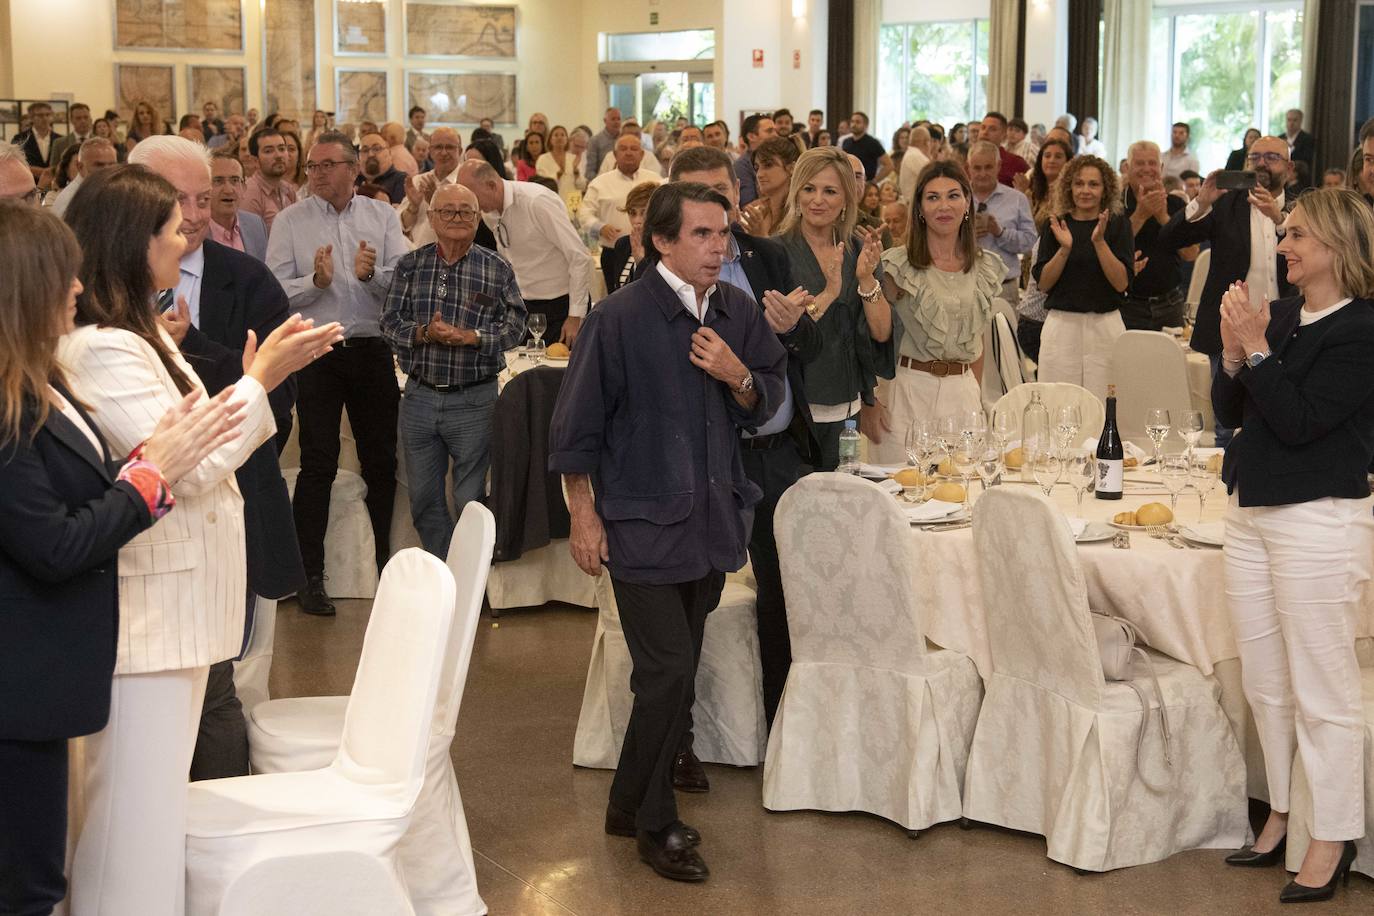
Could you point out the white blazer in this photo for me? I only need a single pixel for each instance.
(183, 582)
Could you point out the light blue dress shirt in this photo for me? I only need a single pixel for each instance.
(188, 287)
(732, 272)
(1011, 209)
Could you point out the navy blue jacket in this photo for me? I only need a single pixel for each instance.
(63, 521)
(660, 437)
(1306, 412)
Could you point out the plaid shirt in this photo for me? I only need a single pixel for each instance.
(476, 292)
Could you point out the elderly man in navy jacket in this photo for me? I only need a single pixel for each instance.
(666, 373)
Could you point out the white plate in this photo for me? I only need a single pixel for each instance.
(556, 359)
(1200, 535)
(1096, 531)
(934, 512)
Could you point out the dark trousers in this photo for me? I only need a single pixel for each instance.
(1028, 336)
(555, 310)
(222, 741)
(663, 626)
(1155, 313)
(774, 470)
(828, 437)
(33, 826)
(361, 378)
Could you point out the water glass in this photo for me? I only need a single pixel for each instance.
(1175, 471)
(1157, 426)
(1003, 427)
(947, 434)
(1190, 428)
(537, 323)
(1068, 420)
(973, 429)
(989, 467)
(920, 443)
(1082, 472)
(966, 466)
(1047, 468)
(1204, 481)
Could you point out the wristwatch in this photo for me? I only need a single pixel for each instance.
(747, 385)
(1254, 359)
(476, 338)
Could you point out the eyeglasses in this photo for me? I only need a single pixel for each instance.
(369, 150)
(221, 180)
(448, 214)
(443, 148)
(323, 165)
(1270, 158)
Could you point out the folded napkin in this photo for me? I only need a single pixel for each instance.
(932, 511)
(1131, 449)
(878, 470)
(1211, 531)
(888, 485)
(1077, 526)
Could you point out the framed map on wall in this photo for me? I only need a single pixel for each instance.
(436, 28)
(289, 58)
(179, 25)
(359, 95)
(226, 86)
(151, 83)
(462, 98)
(359, 27)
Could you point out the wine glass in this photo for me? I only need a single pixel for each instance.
(1047, 468)
(1175, 470)
(973, 429)
(1204, 480)
(947, 434)
(1157, 426)
(1068, 420)
(966, 465)
(1003, 428)
(989, 466)
(1190, 428)
(1082, 468)
(920, 443)
(538, 323)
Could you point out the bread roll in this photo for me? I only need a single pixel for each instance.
(558, 350)
(1124, 518)
(1154, 514)
(910, 477)
(1015, 458)
(1214, 463)
(949, 493)
(946, 468)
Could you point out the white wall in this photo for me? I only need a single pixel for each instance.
(1047, 56)
(802, 88)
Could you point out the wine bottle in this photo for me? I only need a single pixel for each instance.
(1110, 455)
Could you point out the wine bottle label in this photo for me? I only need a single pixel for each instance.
(1109, 475)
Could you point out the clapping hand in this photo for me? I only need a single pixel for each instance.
(324, 266)
(364, 261)
(831, 263)
(609, 234)
(440, 331)
(1155, 201)
(1243, 326)
(295, 344)
(757, 218)
(190, 431)
(1264, 202)
(783, 312)
(177, 320)
(1100, 230)
(1062, 235)
(871, 255)
(1140, 262)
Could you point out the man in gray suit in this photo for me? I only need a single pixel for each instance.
(230, 226)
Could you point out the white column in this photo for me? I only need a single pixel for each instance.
(1047, 56)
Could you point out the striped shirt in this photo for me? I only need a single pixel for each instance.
(476, 292)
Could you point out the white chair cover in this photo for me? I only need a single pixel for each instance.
(871, 719)
(253, 670)
(1003, 368)
(1201, 267)
(340, 884)
(350, 550)
(727, 717)
(1055, 748)
(302, 733)
(1300, 796)
(361, 802)
(1054, 395)
(1150, 370)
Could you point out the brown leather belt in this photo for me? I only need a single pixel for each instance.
(937, 367)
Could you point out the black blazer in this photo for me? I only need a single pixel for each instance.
(1304, 149)
(613, 261)
(32, 155)
(1306, 413)
(1227, 227)
(238, 292)
(63, 521)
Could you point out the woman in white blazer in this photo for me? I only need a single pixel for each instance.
(182, 584)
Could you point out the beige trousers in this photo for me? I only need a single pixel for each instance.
(1077, 348)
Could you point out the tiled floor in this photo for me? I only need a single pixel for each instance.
(536, 820)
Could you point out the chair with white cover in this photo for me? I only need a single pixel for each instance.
(364, 800)
(1003, 366)
(303, 733)
(1150, 370)
(1059, 750)
(871, 718)
(728, 721)
(1054, 395)
(339, 883)
(1300, 796)
(350, 552)
(1201, 267)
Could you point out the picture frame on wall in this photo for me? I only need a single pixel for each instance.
(456, 29)
(225, 86)
(153, 83)
(202, 26)
(360, 95)
(360, 28)
(290, 59)
(462, 98)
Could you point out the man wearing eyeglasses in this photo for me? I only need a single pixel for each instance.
(453, 310)
(378, 168)
(229, 225)
(534, 234)
(1244, 227)
(16, 180)
(334, 253)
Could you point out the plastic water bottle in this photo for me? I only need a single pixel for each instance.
(849, 448)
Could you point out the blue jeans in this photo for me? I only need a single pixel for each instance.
(1224, 434)
(436, 427)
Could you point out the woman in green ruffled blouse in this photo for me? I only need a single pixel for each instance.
(941, 286)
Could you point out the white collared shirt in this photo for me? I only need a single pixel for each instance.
(605, 196)
(1264, 243)
(421, 232)
(687, 293)
(188, 287)
(534, 234)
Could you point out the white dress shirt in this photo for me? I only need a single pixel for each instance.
(605, 196)
(1176, 164)
(64, 197)
(687, 293)
(913, 160)
(1264, 243)
(534, 234)
(650, 162)
(421, 232)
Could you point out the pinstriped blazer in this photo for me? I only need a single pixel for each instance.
(182, 582)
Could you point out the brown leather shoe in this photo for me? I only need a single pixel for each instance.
(688, 773)
(672, 857)
(618, 823)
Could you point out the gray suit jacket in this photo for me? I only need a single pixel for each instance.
(254, 232)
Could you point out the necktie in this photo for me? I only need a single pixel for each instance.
(166, 299)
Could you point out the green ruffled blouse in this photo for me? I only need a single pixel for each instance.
(944, 314)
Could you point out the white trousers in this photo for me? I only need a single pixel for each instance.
(1077, 348)
(251, 671)
(1290, 582)
(912, 395)
(130, 860)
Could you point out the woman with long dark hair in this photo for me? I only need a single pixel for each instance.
(70, 504)
(182, 585)
(528, 158)
(1030, 311)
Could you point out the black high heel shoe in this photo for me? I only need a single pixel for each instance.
(1301, 893)
(1248, 858)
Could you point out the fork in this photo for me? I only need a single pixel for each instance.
(1160, 533)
